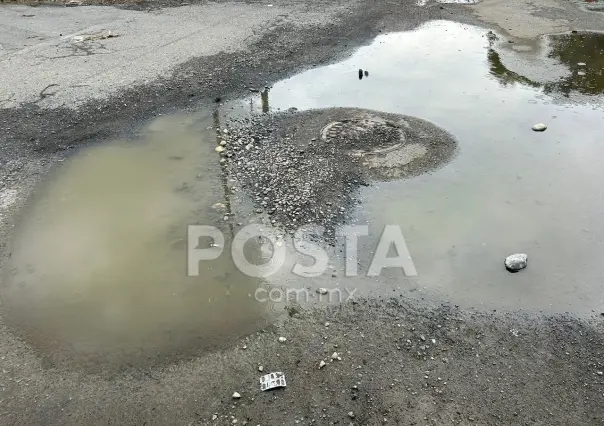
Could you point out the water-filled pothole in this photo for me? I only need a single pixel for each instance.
(98, 271)
(509, 189)
(98, 268)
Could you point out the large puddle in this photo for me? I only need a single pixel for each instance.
(509, 190)
(99, 260)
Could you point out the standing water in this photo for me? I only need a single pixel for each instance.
(98, 267)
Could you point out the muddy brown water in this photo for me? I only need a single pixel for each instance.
(98, 268)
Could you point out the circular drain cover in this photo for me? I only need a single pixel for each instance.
(354, 133)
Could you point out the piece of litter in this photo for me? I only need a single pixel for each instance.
(272, 381)
(236, 395)
(282, 339)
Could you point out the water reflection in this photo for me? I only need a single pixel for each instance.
(581, 53)
(510, 189)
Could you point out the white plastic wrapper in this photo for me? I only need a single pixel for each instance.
(272, 381)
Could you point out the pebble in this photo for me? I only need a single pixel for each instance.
(322, 290)
(260, 368)
(236, 395)
(539, 127)
(600, 373)
(351, 414)
(335, 356)
(516, 262)
(282, 339)
(219, 148)
(321, 364)
(581, 64)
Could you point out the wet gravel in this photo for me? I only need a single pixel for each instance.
(306, 167)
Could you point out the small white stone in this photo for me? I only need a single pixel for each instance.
(321, 364)
(581, 64)
(516, 262)
(282, 339)
(600, 373)
(260, 368)
(322, 290)
(351, 414)
(327, 324)
(223, 142)
(236, 395)
(214, 417)
(335, 356)
(539, 127)
(244, 347)
(219, 148)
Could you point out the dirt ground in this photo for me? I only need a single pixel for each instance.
(402, 362)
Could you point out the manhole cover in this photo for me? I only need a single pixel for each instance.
(304, 167)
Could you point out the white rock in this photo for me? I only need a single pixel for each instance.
(327, 324)
(581, 64)
(351, 414)
(516, 262)
(219, 148)
(214, 417)
(335, 355)
(321, 364)
(600, 373)
(282, 339)
(322, 290)
(539, 127)
(236, 395)
(260, 368)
